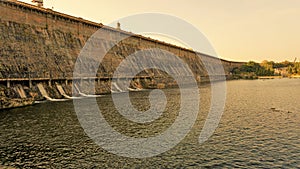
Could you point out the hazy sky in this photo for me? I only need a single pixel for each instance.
(239, 30)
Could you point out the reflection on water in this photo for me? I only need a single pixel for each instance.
(259, 128)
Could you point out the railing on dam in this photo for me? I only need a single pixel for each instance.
(29, 78)
(37, 76)
(53, 75)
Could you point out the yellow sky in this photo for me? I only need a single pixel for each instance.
(239, 30)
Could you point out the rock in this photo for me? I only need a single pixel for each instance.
(6, 103)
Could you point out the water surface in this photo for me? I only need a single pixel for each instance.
(259, 129)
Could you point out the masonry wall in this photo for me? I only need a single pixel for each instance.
(41, 43)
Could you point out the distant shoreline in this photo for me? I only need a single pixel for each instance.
(270, 77)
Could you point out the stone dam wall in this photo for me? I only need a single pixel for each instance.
(39, 48)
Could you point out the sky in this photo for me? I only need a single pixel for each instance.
(239, 30)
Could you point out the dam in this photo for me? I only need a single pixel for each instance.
(39, 48)
(39, 53)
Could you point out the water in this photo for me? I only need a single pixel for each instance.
(259, 129)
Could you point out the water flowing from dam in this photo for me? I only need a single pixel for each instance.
(115, 88)
(46, 96)
(259, 129)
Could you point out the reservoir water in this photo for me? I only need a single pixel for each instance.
(260, 128)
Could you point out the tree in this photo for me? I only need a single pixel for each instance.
(250, 66)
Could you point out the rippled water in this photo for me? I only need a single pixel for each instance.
(259, 129)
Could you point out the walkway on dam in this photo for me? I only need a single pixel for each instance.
(9, 81)
(72, 78)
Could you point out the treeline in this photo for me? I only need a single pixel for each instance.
(252, 69)
(294, 69)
